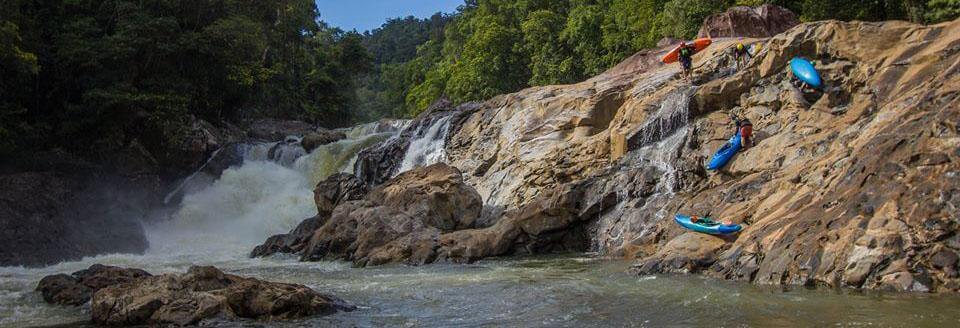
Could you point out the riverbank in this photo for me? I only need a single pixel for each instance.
(560, 291)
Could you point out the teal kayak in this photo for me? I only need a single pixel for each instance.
(707, 226)
(803, 69)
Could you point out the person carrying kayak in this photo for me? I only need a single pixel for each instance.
(745, 129)
(686, 58)
(741, 54)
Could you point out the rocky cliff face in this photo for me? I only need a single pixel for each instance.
(855, 185)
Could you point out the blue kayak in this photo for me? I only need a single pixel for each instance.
(804, 71)
(725, 153)
(706, 225)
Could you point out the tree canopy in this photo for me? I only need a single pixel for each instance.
(84, 73)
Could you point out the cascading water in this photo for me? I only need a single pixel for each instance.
(428, 145)
(661, 141)
(270, 192)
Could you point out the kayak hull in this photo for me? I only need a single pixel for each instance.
(674, 55)
(725, 153)
(717, 229)
(805, 71)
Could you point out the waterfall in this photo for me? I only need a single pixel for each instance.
(264, 189)
(427, 146)
(336, 157)
(659, 144)
(673, 113)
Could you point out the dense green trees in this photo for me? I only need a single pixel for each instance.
(85, 74)
(498, 46)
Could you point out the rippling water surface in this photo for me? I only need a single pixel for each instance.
(568, 291)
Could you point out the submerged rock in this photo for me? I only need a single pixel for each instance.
(133, 297)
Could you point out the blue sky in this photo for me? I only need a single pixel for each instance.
(364, 15)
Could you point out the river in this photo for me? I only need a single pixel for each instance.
(218, 224)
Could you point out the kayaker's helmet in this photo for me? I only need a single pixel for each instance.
(740, 46)
(683, 43)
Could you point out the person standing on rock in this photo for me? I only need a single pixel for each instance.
(741, 54)
(745, 129)
(686, 58)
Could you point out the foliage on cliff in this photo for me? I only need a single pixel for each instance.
(493, 47)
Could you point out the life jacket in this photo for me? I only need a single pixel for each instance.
(686, 52)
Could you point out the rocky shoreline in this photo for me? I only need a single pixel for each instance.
(855, 186)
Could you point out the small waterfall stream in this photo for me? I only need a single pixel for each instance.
(428, 146)
(660, 143)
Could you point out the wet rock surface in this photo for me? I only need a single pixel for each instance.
(375, 165)
(133, 297)
(78, 287)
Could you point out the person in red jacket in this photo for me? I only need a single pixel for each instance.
(745, 129)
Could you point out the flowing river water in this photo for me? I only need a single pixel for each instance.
(219, 223)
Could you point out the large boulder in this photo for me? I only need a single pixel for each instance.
(328, 194)
(400, 221)
(749, 22)
(336, 189)
(78, 287)
(202, 293)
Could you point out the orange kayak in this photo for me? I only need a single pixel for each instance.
(674, 55)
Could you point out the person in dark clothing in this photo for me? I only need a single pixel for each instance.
(745, 129)
(741, 54)
(686, 58)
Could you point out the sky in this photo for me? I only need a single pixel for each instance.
(363, 15)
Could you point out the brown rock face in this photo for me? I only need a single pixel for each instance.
(76, 289)
(400, 221)
(855, 185)
(760, 22)
(206, 292)
(336, 189)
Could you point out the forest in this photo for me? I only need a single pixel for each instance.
(88, 75)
